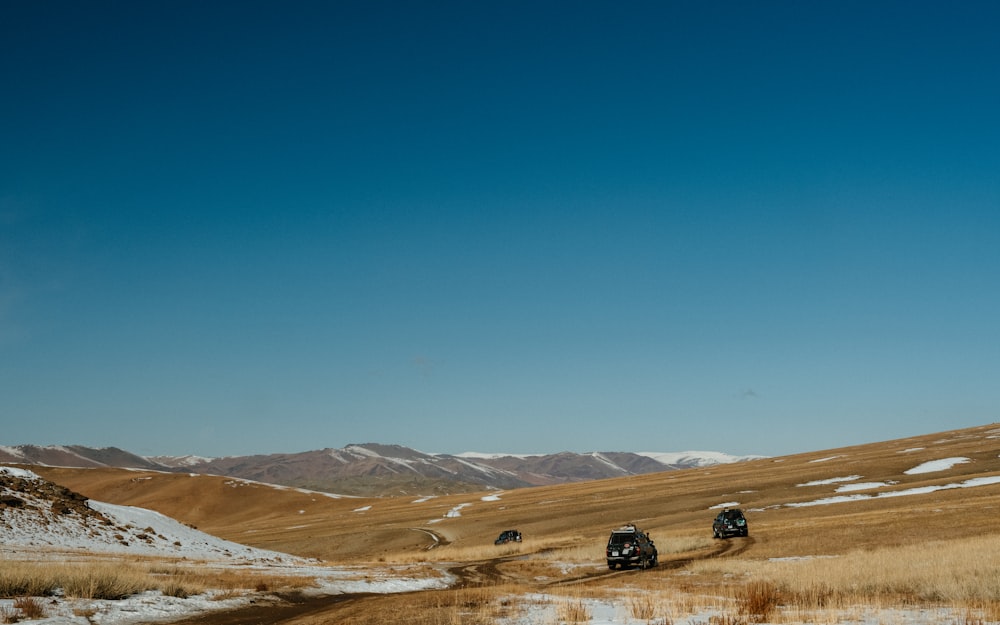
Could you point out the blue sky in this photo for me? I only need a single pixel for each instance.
(256, 227)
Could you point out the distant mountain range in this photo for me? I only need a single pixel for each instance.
(375, 469)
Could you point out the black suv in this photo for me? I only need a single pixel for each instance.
(630, 546)
(730, 522)
(508, 536)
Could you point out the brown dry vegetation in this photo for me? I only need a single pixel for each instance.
(933, 548)
(116, 578)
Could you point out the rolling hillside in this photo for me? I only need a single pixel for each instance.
(821, 503)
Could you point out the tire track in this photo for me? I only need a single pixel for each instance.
(289, 608)
(726, 549)
(438, 539)
(284, 608)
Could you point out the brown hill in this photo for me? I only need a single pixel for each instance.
(75, 456)
(775, 493)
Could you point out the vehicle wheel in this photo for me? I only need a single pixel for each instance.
(611, 565)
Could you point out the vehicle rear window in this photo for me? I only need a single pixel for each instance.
(620, 539)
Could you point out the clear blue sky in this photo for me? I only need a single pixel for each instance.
(255, 227)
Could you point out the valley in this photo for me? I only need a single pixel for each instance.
(877, 527)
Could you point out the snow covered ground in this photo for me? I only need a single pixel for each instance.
(151, 607)
(33, 531)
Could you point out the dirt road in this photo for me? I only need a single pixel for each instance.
(299, 609)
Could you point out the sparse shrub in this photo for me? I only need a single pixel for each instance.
(30, 607)
(641, 606)
(758, 600)
(229, 593)
(573, 611)
(175, 589)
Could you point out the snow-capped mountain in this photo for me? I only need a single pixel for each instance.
(373, 468)
(687, 459)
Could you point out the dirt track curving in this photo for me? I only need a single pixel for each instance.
(287, 608)
(299, 609)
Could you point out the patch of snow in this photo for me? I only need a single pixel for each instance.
(305, 491)
(920, 490)
(832, 480)
(728, 504)
(21, 473)
(827, 459)
(936, 465)
(146, 607)
(495, 497)
(180, 539)
(13, 451)
(180, 461)
(486, 470)
(363, 509)
(361, 451)
(846, 488)
(336, 455)
(544, 608)
(607, 462)
(911, 450)
(456, 511)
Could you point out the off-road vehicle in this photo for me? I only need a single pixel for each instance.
(730, 522)
(508, 536)
(630, 546)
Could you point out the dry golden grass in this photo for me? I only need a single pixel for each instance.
(116, 579)
(642, 606)
(572, 610)
(964, 572)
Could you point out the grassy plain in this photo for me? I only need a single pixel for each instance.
(911, 539)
